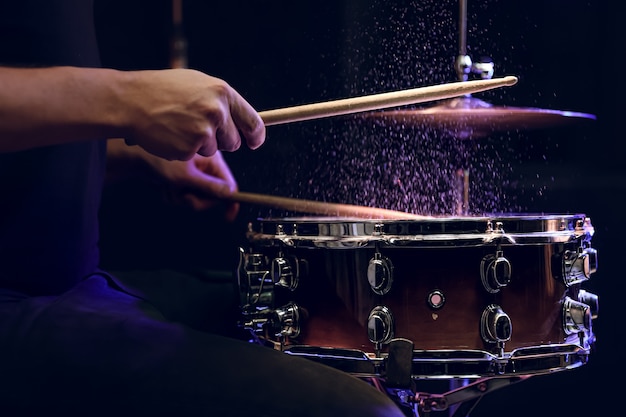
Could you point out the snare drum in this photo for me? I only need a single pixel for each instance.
(439, 297)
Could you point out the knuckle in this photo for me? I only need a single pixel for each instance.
(229, 140)
(232, 146)
(256, 136)
(222, 90)
(207, 149)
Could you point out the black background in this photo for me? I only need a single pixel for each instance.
(567, 55)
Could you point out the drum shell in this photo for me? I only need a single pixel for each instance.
(336, 298)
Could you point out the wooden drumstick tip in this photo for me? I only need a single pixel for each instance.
(509, 80)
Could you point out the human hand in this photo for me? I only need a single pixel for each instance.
(178, 113)
(200, 182)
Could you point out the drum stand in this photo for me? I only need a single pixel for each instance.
(460, 399)
(457, 402)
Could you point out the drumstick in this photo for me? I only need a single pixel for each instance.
(318, 207)
(381, 101)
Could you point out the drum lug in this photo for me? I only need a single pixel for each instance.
(282, 322)
(256, 288)
(495, 272)
(380, 274)
(576, 266)
(495, 325)
(380, 326)
(577, 317)
(286, 272)
(287, 321)
(591, 300)
(255, 323)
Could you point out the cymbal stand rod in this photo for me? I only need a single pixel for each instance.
(463, 67)
(462, 27)
(178, 41)
(463, 63)
(462, 192)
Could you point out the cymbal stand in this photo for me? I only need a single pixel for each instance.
(464, 66)
(178, 41)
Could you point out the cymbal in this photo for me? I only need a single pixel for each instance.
(467, 118)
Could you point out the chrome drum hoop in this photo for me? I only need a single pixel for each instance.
(448, 364)
(338, 233)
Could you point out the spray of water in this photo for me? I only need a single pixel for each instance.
(387, 46)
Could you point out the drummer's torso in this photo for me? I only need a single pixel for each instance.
(51, 195)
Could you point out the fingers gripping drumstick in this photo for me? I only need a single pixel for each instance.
(381, 101)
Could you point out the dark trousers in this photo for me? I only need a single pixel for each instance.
(109, 347)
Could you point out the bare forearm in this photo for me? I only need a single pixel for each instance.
(47, 106)
(173, 114)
